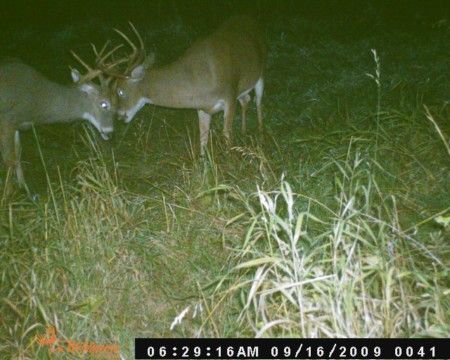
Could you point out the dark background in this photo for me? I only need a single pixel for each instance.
(53, 14)
(326, 44)
(42, 33)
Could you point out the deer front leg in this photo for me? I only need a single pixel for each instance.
(10, 149)
(17, 155)
(204, 120)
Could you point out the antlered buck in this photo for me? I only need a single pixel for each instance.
(210, 76)
(27, 98)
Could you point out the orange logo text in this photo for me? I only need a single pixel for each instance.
(71, 346)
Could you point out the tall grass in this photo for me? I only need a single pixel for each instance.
(376, 77)
(348, 270)
(63, 271)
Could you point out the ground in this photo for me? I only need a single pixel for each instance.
(330, 223)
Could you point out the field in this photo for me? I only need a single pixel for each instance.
(332, 223)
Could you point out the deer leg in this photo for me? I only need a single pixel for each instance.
(10, 149)
(259, 89)
(204, 120)
(17, 155)
(244, 100)
(228, 115)
(7, 145)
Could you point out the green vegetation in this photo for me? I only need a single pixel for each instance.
(333, 223)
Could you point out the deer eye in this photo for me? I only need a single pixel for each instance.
(105, 105)
(120, 93)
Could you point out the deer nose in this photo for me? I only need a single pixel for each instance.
(121, 115)
(106, 132)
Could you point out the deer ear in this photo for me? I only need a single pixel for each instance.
(89, 88)
(76, 76)
(138, 72)
(149, 61)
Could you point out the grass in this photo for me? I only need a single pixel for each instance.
(331, 224)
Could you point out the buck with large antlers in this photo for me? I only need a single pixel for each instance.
(211, 76)
(27, 98)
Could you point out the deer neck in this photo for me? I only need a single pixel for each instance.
(169, 86)
(68, 104)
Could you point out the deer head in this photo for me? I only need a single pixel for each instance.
(99, 102)
(128, 82)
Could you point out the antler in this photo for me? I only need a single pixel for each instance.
(138, 54)
(101, 68)
(136, 57)
(132, 60)
(101, 58)
(91, 73)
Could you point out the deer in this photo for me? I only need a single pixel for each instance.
(28, 98)
(211, 76)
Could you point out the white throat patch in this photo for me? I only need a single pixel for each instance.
(92, 120)
(139, 105)
(95, 122)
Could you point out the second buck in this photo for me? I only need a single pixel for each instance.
(27, 98)
(211, 76)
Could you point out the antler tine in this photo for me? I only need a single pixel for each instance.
(141, 42)
(137, 56)
(100, 58)
(115, 74)
(115, 63)
(106, 68)
(99, 54)
(109, 53)
(104, 47)
(91, 74)
(140, 57)
(127, 39)
(132, 57)
(74, 54)
(94, 49)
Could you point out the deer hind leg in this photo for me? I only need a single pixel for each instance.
(244, 100)
(228, 114)
(204, 120)
(259, 90)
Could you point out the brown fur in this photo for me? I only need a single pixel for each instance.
(210, 76)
